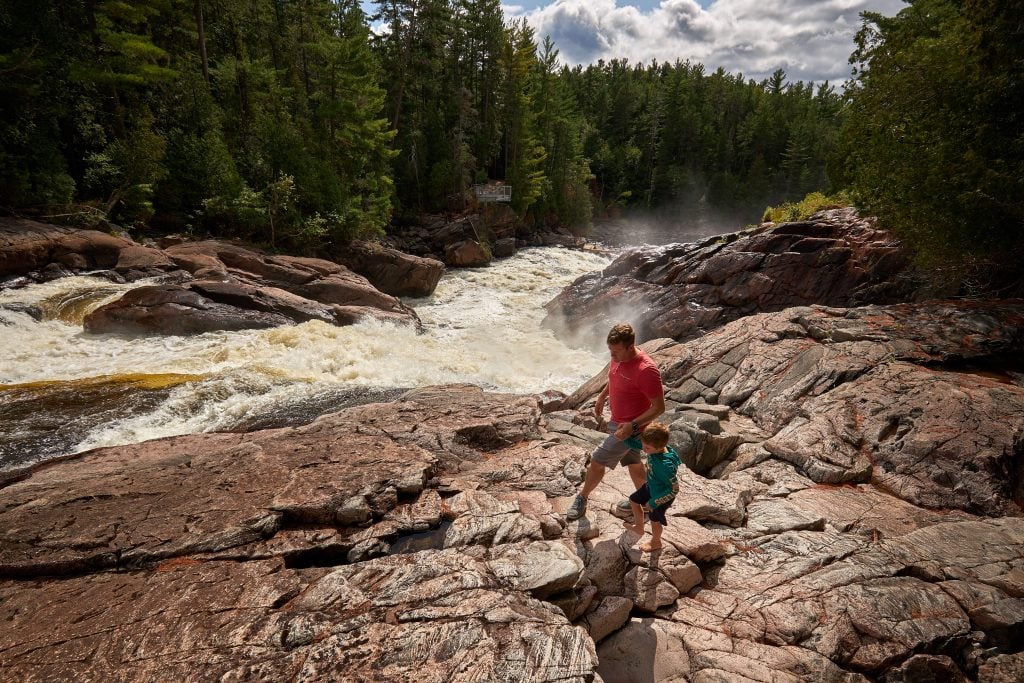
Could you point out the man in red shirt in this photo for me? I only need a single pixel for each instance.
(637, 396)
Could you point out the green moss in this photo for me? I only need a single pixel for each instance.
(805, 208)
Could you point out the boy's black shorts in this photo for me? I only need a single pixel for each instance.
(643, 495)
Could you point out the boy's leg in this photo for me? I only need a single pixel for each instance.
(636, 501)
(658, 522)
(655, 542)
(637, 527)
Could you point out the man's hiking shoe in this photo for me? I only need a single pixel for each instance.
(577, 509)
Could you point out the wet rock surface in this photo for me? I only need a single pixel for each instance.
(239, 288)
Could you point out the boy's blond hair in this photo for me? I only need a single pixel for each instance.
(655, 434)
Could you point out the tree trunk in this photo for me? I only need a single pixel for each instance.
(198, 8)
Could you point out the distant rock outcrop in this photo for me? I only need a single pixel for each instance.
(245, 289)
(859, 519)
(211, 285)
(27, 246)
(472, 240)
(684, 290)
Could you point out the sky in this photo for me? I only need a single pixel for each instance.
(811, 40)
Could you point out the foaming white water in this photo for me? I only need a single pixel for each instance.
(482, 327)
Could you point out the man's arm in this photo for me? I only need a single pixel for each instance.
(625, 430)
(656, 409)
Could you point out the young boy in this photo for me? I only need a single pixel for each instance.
(661, 486)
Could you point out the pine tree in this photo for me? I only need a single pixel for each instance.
(524, 154)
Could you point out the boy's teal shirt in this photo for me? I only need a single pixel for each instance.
(661, 476)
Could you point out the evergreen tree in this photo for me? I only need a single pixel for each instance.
(931, 142)
(524, 155)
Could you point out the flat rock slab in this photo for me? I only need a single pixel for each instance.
(437, 616)
(135, 504)
(867, 605)
(865, 509)
(773, 516)
(651, 650)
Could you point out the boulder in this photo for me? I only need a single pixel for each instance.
(243, 289)
(391, 271)
(649, 589)
(466, 254)
(239, 288)
(171, 309)
(142, 260)
(504, 247)
(607, 617)
(27, 245)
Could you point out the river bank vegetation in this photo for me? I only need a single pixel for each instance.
(295, 123)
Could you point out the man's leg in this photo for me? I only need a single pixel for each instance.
(608, 454)
(637, 473)
(595, 473)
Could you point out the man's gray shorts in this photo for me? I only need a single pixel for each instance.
(612, 452)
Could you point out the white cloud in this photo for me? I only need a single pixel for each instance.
(811, 40)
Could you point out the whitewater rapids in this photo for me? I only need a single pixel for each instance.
(64, 391)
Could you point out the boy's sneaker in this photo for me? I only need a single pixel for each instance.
(577, 509)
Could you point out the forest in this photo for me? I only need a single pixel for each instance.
(302, 122)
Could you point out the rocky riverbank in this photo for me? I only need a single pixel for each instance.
(859, 517)
(210, 285)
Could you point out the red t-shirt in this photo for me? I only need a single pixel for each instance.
(632, 386)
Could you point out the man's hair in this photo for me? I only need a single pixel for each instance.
(622, 334)
(655, 434)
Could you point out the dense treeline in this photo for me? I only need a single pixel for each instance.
(671, 134)
(277, 119)
(933, 142)
(257, 117)
(292, 120)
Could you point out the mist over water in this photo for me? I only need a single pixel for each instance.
(482, 327)
(683, 223)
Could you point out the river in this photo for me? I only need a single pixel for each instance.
(64, 391)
